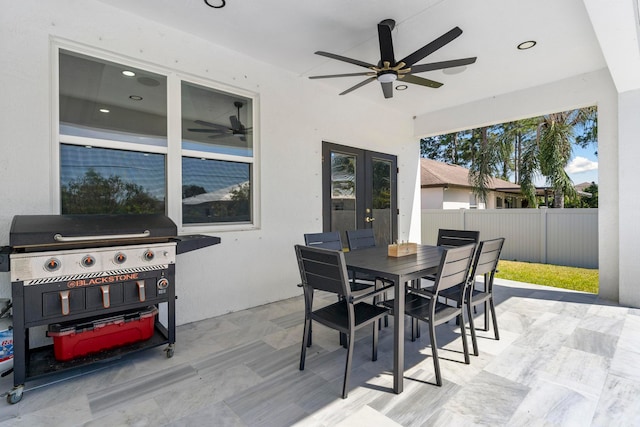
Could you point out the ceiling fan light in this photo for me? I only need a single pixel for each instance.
(387, 77)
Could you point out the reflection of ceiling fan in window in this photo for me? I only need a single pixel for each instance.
(221, 131)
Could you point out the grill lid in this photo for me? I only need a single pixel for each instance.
(35, 232)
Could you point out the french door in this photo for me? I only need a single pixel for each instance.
(359, 190)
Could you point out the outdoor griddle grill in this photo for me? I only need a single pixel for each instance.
(74, 274)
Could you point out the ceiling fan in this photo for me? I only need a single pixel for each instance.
(389, 70)
(221, 131)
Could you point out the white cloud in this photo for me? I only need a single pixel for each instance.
(581, 164)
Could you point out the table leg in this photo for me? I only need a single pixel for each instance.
(398, 337)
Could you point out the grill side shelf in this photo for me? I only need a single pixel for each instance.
(194, 242)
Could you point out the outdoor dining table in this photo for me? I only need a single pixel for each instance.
(375, 261)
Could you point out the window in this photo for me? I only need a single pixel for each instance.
(119, 154)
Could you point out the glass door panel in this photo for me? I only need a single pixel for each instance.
(343, 193)
(359, 191)
(381, 193)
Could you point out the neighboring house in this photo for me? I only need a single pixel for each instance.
(547, 192)
(446, 186)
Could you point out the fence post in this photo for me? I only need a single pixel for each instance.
(543, 237)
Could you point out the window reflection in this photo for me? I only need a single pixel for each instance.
(215, 191)
(98, 101)
(216, 122)
(106, 181)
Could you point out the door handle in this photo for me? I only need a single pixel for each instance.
(368, 219)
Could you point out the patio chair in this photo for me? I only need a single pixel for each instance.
(485, 264)
(332, 240)
(360, 239)
(424, 304)
(451, 239)
(325, 270)
(326, 240)
(454, 238)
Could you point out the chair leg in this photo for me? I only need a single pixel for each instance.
(347, 369)
(374, 349)
(472, 328)
(310, 323)
(495, 320)
(486, 316)
(463, 333)
(434, 353)
(305, 339)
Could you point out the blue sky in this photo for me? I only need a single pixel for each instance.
(583, 166)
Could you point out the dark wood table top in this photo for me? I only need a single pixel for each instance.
(375, 261)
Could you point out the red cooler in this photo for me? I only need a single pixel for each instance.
(71, 341)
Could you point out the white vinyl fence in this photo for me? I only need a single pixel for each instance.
(548, 236)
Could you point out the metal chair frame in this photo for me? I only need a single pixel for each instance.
(325, 270)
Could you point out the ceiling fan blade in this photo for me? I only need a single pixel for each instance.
(387, 89)
(421, 81)
(432, 47)
(344, 59)
(342, 75)
(220, 135)
(386, 43)
(213, 125)
(359, 85)
(421, 68)
(205, 130)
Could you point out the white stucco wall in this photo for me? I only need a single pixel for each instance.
(249, 268)
(588, 89)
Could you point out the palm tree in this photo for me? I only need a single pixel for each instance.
(551, 151)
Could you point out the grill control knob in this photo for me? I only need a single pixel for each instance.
(52, 264)
(88, 261)
(119, 258)
(163, 283)
(148, 255)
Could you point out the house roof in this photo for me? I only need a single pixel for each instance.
(438, 174)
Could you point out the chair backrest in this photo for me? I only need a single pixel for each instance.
(487, 257)
(362, 238)
(455, 238)
(323, 269)
(327, 240)
(454, 267)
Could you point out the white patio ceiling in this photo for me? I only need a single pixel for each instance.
(286, 33)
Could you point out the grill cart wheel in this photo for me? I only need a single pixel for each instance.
(15, 395)
(169, 351)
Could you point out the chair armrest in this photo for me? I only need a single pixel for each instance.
(358, 296)
(422, 292)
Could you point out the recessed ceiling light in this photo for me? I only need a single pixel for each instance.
(128, 73)
(104, 110)
(527, 45)
(135, 97)
(402, 87)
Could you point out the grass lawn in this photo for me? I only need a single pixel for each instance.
(577, 279)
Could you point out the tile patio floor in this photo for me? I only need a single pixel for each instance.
(564, 359)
